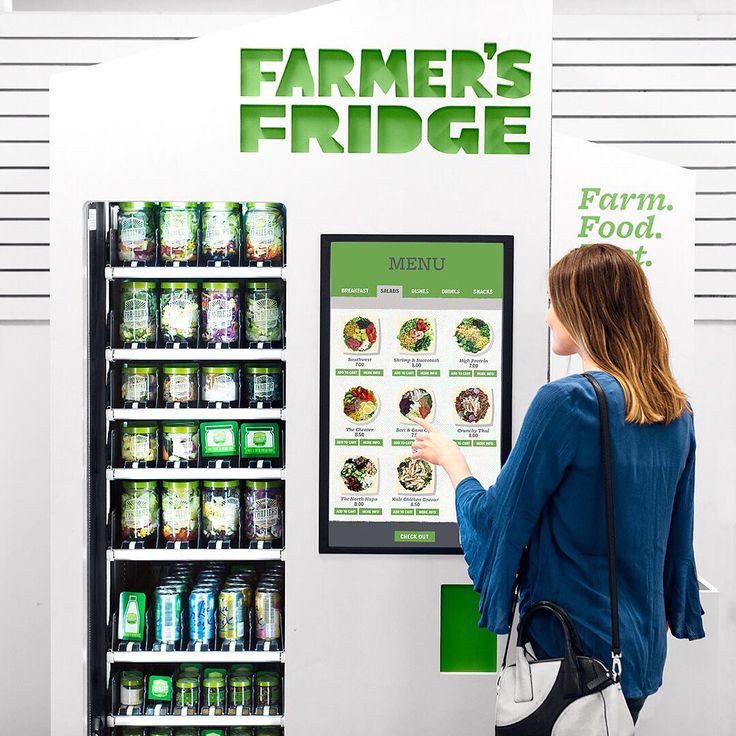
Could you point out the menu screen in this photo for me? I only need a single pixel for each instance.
(411, 327)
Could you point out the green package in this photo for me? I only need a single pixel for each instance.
(131, 616)
(218, 439)
(260, 440)
(159, 688)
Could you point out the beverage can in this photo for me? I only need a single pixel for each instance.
(268, 613)
(231, 620)
(202, 615)
(167, 614)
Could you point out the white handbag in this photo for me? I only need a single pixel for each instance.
(574, 695)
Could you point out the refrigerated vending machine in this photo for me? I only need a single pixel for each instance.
(191, 212)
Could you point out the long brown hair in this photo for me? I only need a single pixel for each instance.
(601, 296)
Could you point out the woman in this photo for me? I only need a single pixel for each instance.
(549, 495)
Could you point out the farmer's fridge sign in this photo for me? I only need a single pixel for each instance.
(401, 99)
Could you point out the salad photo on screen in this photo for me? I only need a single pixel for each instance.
(416, 335)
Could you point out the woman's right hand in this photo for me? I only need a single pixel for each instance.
(437, 448)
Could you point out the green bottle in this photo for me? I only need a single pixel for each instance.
(131, 616)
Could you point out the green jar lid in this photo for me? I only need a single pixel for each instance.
(180, 369)
(136, 369)
(264, 485)
(191, 669)
(181, 485)
(221, 205)
(136, 205)
(242, 670)
(180, 205)
(219, 285)
(218, 369)
(259, 370)
(240, 682)
(211, 681)
(228, 484)
(159, 731)
(131, 678)
(181, 427)
(267, 679)
(178, 285)
(127, 285)
(139, 485)
(264, 205)
(186, 683)
(138, 428)
(263, 285)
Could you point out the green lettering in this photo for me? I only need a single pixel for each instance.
(521, 79)
(438, 130)
(588, 197)
(251, 130)
(467, 69)
(586, 224)
(359, 129)
(497, 128)
(251, 75)
(297, 75)
(314, 121)
(423, 72)
(647, 201)
(385, 73)
(334, 67)
(399, 129)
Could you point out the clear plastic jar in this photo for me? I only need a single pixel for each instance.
(139, 506)
(240, 693)
(180, 442)
(220, 312)
(137, 232)
(220, 383)
(139, 383)
(265, 383)
(221, 509)
(139, 442)
(138, 311)
(264, 232)
(264, 510)
(180, 383)
(185, 693)
(179, 314)
(131, 689)
(180, 510)
(177, 231)
(213, 693)
(268, 693)
(221, 231)
(263, 319)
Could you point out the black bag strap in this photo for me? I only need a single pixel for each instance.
(610, 520)
(610, 533)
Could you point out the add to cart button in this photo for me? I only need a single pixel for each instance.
(403, 372)
(426, 537)
(461, 374)
(402, 512)
(345, 512)
(340, 442)
(347, 372)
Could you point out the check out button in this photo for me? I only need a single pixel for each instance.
(415, 537)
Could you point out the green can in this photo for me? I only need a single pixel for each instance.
(178, 228)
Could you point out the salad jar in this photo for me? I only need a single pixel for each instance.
(220, 312)
(264, 232)
(264, 383)
(177, 232)
(264, 511)
(180, 510)
(263, 321)
(131, 689)
(220, 383)
(221, 509)
(268, 693)
(139, 442)
(240, 693)
(137, 232)
(139, 505)
(139, 383)
(179, 314)
(213, 693)
(180, 442)
(180, 383)
(138, 311)
(185, 692)
(221, 231)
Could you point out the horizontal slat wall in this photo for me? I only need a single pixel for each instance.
(33, 47)
(662, 87)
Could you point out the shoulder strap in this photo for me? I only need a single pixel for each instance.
(610, 521)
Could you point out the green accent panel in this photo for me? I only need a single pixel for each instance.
(464, 646)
